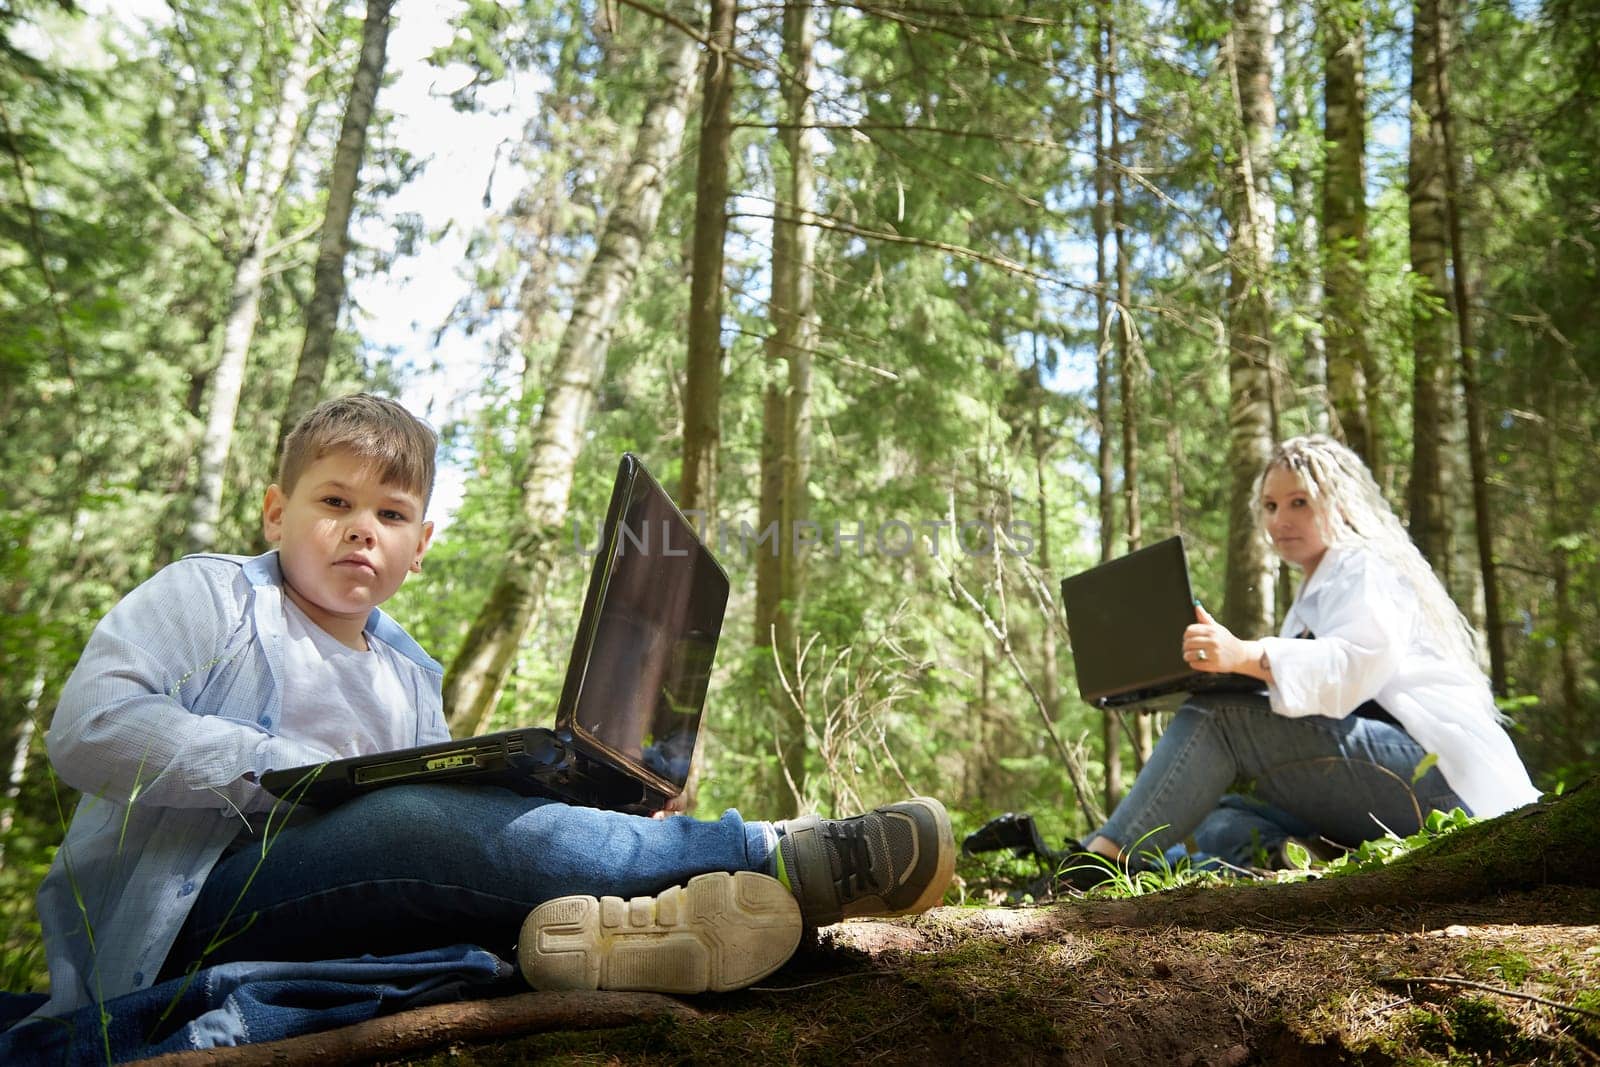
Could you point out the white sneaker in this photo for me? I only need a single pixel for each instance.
(721, 931)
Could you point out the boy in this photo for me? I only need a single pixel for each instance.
(220, 668)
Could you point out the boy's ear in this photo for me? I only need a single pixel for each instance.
(422, 547)
(272, 514)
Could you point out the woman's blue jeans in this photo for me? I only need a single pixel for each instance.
(415, 867)
(1347, 780)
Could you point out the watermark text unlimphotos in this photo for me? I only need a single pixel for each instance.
(894, 538)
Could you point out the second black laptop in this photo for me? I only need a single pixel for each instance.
(1126, 619)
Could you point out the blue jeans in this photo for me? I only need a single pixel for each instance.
(1346, 780)
(415, 867)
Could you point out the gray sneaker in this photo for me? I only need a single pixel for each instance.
(721, 931)
(895, 860)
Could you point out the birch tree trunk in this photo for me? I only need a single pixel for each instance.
(328, 283)
(479, 670)
(244, 296)
(1247, 603)
(702, 394)
(1127, 375)
(1432, 410)
(786, 436)
(1344, 228)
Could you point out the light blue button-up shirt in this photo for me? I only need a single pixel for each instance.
(165, 726)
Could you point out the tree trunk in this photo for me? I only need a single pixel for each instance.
(244, 296)
(1493, 629)
(1429, 497)
(1050, 666)
(786, 436)
(1128, 375)
(1247, 603)
(328, 284)
(1557, 532)
(1300, 32)
(479, 670)
(1344, 226)
(20, 749)
(702, 394)
(1176, 461)
(1110, 731)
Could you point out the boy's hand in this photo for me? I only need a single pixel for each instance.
(676, 806)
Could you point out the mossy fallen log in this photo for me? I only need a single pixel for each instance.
(1553, 842)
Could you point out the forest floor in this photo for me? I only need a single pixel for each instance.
(1169, 978)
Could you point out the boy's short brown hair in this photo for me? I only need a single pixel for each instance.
(368, 426)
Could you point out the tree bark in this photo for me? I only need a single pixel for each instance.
(1247, 603)
(1432, 410)
(1128, 375)
(410, 1034)
(244, 296)
(1557, 530)
(1344, 226)
(1300, 31)
(702, 394)
(1050, 667)
(328, 282)
(479, 670)
(1493, 629)
(1110, 730)
(786, 436)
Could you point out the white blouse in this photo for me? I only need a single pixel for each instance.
(1369, 645)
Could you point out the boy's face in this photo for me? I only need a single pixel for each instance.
(346, 540)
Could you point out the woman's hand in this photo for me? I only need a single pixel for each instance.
(1210, 646)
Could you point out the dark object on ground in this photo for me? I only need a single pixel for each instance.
(1070, 867)
(1016, 831)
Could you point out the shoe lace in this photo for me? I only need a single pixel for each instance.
(854, 875)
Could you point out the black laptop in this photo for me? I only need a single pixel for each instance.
(1126, 619)
(629, 712)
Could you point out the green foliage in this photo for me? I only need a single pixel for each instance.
(1380, 851)
(953, 368)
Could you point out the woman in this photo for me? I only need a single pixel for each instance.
(1374, 670)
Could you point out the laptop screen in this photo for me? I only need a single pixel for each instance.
(1126, 619)
(648, 634)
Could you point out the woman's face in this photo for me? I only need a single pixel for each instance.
(1292, 520)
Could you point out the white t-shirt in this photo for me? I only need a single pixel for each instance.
(1369, 645)
(339, 700)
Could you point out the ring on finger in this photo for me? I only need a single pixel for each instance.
(1200, 654)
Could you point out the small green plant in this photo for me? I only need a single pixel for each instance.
(1158, 874)
(1373, 854)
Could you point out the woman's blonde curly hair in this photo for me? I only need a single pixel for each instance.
(1350, 508)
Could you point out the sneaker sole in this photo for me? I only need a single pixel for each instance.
(720, 932)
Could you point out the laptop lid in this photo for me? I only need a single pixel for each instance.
(641, 659)
(1126, 620)
(630, 707)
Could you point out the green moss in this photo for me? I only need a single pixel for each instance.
(1510, 967)
(1588, 1000)
(1474, 1027)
